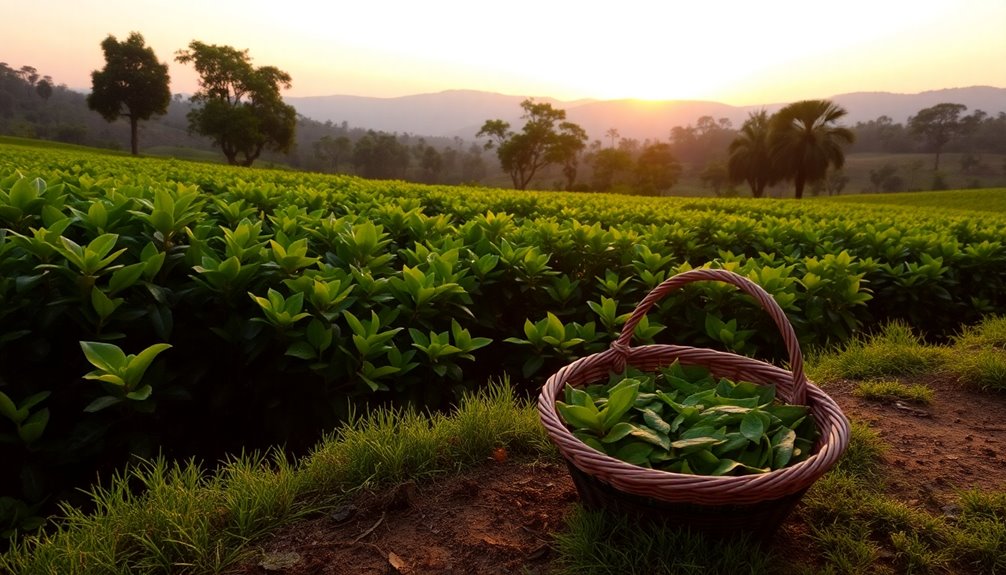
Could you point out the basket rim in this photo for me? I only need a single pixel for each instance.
(677, 487)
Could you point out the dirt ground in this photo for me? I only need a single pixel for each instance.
(497, 518)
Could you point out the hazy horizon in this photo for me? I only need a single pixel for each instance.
(730, 52)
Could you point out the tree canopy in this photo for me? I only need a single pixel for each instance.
(133, 84)
(750, 160)
(657, 169)
(804, 141)
(239, 106)
(546, 138)
(940, 124)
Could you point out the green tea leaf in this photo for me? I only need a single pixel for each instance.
(33, 428)
(139, 364)
(703, 461)
(782, 447)
(301, 350)
(636, 453)
(619, 431)
(699, 398)
(576, 396)
(734, 442)
(104, 356)
(580, 416)
(7, 408)
(694, 443)
(655, 422)
(35, 399)
(788, 414)
(101, 403)
(619, 402)
(650, 436)
(140, 394)
(125, 277)
(590, 440)
(700, 431)
(752, 426)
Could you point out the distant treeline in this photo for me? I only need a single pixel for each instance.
(32, 105)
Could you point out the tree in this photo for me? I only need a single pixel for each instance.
(715, 175)
(937, 126)
(44, 88)
(613, 134)
(239, 106)
(473, 167)
(380, 156)
(431, 162)
(804, 141)
(333, 151)
(657, 169)
(133, 84)
(538, 144)
(570, 141)
(750, 159)
(609, 164)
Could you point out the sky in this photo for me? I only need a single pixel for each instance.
(740, 52)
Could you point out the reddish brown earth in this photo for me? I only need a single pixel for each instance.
(497, 518)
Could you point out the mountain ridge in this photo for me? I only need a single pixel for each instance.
(461, 112)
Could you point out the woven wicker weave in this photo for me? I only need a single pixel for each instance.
(792, 387)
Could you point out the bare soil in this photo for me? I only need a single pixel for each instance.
(497, 518)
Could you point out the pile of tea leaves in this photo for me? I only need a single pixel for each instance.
(684, 420)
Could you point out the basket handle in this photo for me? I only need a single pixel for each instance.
(766, 301)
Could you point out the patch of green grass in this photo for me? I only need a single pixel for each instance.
(54, 145)
(395, 445)
(890, 390)
(847, 547)
(855, 525)
(981, 531)
(597, 543)
(862, 458)
(981, 354)
(914, 555)
(984, 369)
(179, 518)
(990, 332)
(158, 517)
(183, 153)
(985, 200)
(895, 350)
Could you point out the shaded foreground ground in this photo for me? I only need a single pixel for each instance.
(498, 518)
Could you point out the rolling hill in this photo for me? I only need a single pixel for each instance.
(461, 112)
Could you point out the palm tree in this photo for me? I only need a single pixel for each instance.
(804, 141)
(749, 155)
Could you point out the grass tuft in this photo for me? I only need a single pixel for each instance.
(863, 457)
(990, 332)
(983, 368)
(597, 543)
(894, 350)
(890, 390)
(913, 555)
(981, 531)
(847, 547)
(394, 445)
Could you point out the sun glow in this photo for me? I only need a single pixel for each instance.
(732, 51)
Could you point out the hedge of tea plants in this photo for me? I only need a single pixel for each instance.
(162, 305)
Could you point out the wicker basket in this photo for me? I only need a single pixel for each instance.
(753, 504)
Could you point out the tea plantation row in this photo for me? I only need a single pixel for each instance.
(288, 298)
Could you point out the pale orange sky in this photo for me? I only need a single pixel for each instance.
(733, 51)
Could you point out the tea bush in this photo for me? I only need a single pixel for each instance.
(289, 299)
